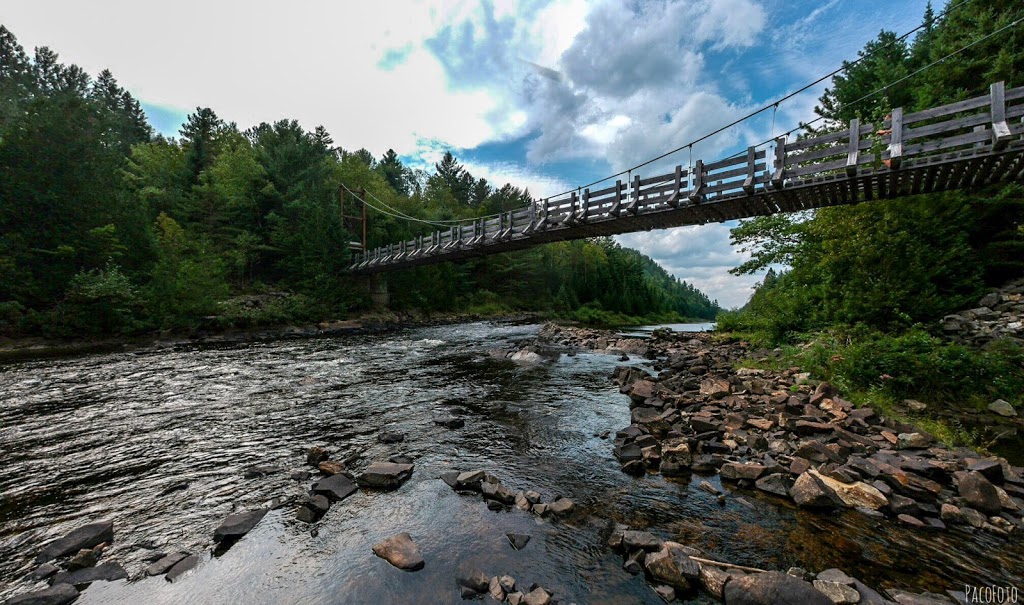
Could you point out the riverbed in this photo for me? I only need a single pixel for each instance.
(159, 440)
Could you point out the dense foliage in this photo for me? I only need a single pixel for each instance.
(892, 264)
(106, 228)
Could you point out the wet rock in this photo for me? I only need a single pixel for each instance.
(1002, 408)
(640, 539)
(391, 437)
(62, 594)
(906, 598)
(164, 564)
(182, 567)
(736, 472)
(87, 557)
(990, 468)
(497, 491)
(537, 596)
(108, 572)
(299, 475)
(711, 489)
(470, 480)
(331, 467)
(475, 580)
(857, 494)
(385, 475)
(450, 422)
(808, 492)
(713, 580)
(515, 598)
(400, 551)
(635, 468)
(672, 565)
(979, 493)
(518, 541)
(238, 524)
(305, 514)
(43, 571)
(715, 387)
(868, 596)
(562, 506)
(667, 593)
(335, 487)
(521, 502)
(507, 583)
(86, 536)
(260, 471)
(316, 455)
(494, 505)
(911, 521)
(495, 590)
(634, 563)
(838, 593)
(451, 478)
(772, 588)
(773, 484)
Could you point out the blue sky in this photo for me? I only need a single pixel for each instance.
(546, 94)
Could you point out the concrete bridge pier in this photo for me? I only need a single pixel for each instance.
(377, 286)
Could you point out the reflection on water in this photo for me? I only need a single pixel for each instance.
(159, 441)
(645, 331)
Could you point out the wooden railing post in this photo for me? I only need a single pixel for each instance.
(748, 183)
(853, 151)
(673, 200)
(634, 197)
(585, 209)
(616, 208)
(896, 139)
(571, 217)
(779, 176)
(1000, 129)
(697, 195)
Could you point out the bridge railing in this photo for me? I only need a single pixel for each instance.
(923, 138)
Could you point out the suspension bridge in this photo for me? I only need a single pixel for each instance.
(963, 145)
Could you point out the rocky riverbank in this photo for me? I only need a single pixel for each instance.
(786, 436)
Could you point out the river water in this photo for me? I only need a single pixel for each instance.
(159, 441)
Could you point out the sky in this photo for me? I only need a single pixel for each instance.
(545, 94)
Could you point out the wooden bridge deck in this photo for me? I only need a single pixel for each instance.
(962, 145)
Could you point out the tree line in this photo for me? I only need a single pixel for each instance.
(107, 227)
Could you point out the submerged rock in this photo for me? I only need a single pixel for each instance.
(772, 588)
(61, 594)
(335, 487)
(400, 551)
(164, 564)
(182, 567)
(108, 572)
(385, 475)
(238, 524)
(86, 536)
(518, 541)
(475, 580)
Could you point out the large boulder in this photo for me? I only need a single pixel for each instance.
(400, 551)
(672, 565)
(61, 594)
(336, 487)
(853, 495)
(238, 524)
(86, 536)
(808, 492)
(385, 475)
(772, 588)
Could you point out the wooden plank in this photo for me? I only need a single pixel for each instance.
(796, 173)
(815, 155)
(945, 110)
(853, 148)
(1000, 129)
(948, 143)
(824, 139)
(943, 127)
(778, 179)
(896, 139)
(725, 163)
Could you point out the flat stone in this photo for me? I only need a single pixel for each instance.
(667, 593)
(773, 484)
(853, 495)
(43, 571)
(640, 539)
(911, 521)
(913, 441)
(979, 493)
(450, 422)
(507, 583)
(672, 565)
(474, 580)
(86, 536)
(518, 541)
(772, 588)
(562, 506)
(496, 591)
(537, 596)
(108, 572)
(1003, 408)
(450, 478)
(808, 492)
(470, 480)
(736, 472)
(331, 467)
(385, 475)
(335, 487)
(837, 592)
(164, 565)
(400, 551)
(835, 575)
(238, 524)
(391, 437)
(316, 455)
(61, 594)
(182, 567)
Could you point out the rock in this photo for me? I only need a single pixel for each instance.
(86, 536)
(562, 506)
(835, 575)
(494, 505)
(391, 437)
(496, 591)
(61, 594)
(948, 512)
(980, 493)
(238, 524)
(913, 441)
(497, 491)
(1002, 408)
(335, 487)
(853, 495)
(306, 514)
(470, 480)
(316, 455)
(667, 593)
(911, 521)
(736, 472)
(537, 596)
(808, 492)
(508, 583)
(838, 593)
(634, 563)
(87, 557)
(330, 467)
(182, 567)
(515, 598)
(640, 539)
(474, 580)
(634, 467)
(672, 565)
(164, 565)
(773, 484)
(385, 475)
(990, 468)
(43, 571)
(451, 478)
(772, 588)
(521, 502)
(108, 572)
(915, 406)
(450, 422)
(260, 471)
(713, 580)
(518, 541)
(715, 387)
(711, 489)
(400, 551)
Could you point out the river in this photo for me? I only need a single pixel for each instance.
(159, 441)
